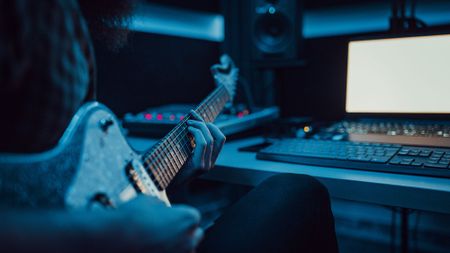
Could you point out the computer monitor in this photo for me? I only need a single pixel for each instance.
(409, 75)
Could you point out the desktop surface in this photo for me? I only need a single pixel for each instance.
(409, 191)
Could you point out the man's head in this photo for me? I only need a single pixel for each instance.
(47, 64)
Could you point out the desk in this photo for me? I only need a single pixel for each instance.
(406, 191)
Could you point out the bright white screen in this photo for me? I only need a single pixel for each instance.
(402, 75)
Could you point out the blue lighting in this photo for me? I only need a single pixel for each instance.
(272, 10)
(176, 22)
(367, 18)
(339, 21)
(317, 23)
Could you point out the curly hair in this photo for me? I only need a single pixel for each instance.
(47, 65)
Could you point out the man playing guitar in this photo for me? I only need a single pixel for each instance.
(47, 72)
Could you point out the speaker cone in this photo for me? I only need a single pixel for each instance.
(272, 33)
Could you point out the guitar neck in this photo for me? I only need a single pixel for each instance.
(167, 157)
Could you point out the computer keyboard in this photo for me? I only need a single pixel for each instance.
(363, 156)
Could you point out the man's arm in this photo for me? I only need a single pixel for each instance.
(142, 225)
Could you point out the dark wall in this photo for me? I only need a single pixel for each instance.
(154, 70)
(318, 88)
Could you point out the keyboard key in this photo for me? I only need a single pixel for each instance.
(379, 159)
(437, 154)
(436, 165)
(405, 162)
(395, 161)
(403, 152)
(359, 158)
(425, 153)
(413, 152)
(419, 164)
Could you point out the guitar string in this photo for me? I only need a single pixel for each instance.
(163, 174)
(166, 143)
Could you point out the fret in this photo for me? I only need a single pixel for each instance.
(155, 167)
(212, 110)
(176, 156)
(204, 114)
(219, 101)
(185, 147)
(180, 151)
(160, 164)
(155, 172)
(170, 147)
(217, 104)
(204, 110)
(156, 175)
(166, 159)
(171, 169)
(178, 162)
(176, 147)
(207, 109)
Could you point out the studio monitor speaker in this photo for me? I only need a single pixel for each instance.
(275, 29)
(262, 35)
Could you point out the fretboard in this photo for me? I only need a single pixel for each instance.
(167, 157)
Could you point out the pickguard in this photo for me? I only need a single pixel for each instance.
(102, 168)
(90, 159)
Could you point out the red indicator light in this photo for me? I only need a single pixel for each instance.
(240, 115)
(172, 117)
(148, 116)
(159, 117)
(181, 117)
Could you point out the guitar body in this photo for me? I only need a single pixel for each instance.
(90, 166)
(94, 165)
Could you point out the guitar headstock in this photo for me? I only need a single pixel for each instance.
(226, 74)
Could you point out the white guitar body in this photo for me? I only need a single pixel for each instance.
(105, 147)
(94, 165)
(92, 159)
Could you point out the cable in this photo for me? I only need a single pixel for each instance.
(415, 231)
(413, 8)
(400, 22)
(393, 230)
(402, 9)
(394, 9)
(248, 92)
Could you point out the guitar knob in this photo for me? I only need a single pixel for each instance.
(105, 124)
(103, 200)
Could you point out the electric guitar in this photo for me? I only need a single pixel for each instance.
(93, 163)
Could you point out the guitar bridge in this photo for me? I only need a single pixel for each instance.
(140, 180)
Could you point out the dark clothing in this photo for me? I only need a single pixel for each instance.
(285, 213)
(46, 71)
